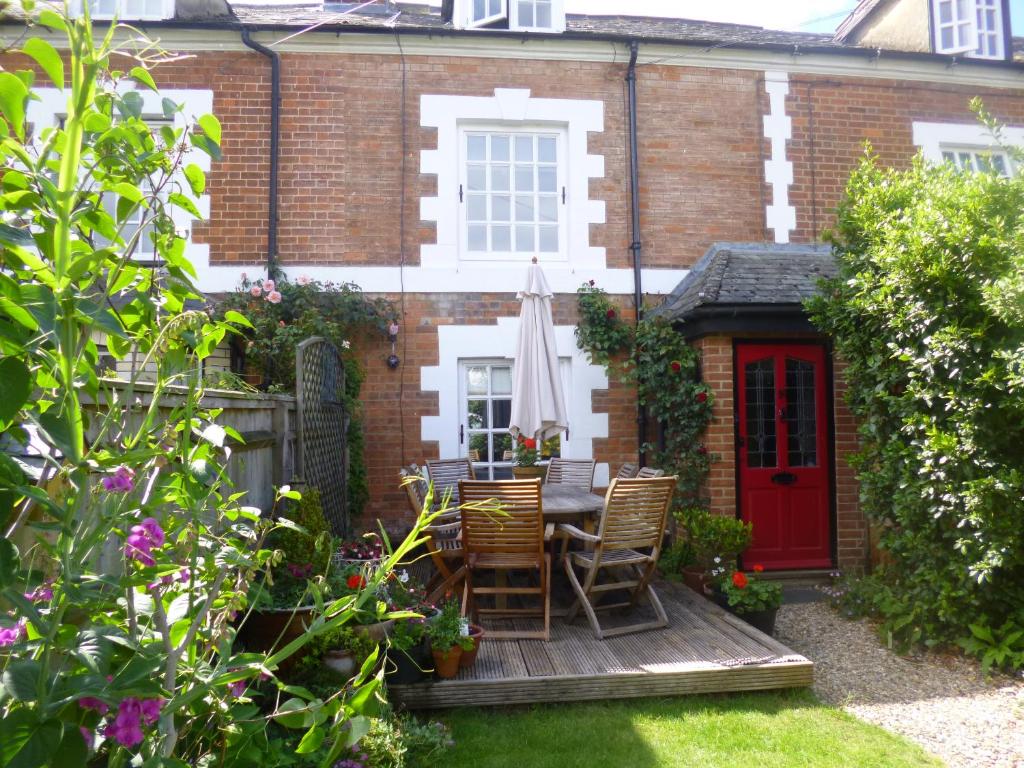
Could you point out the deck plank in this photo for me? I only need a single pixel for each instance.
(704, 649)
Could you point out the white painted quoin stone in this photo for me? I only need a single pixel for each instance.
(778, 171)
(474, 342)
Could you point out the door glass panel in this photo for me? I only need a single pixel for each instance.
(501, 381)
(502, 413)
(477, 414)
(476, 380)
(801, 415)
(759, 382)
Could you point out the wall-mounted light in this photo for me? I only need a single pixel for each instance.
(393, 360)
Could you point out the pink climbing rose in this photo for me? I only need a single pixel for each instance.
(274, 297)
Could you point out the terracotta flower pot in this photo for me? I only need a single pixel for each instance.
(468, 658)
(696, 578)
(446, 663)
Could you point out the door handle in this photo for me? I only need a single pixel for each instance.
(784, 478)
(462, 437)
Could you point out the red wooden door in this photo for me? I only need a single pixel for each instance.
(784, 454)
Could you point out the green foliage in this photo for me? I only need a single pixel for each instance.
(449, 629)
(714, 539)
(746, 593)
(656, 359)
(676, 557)
(404, 742)
(340, 313)
(1000, 647)
(926, 313)
(309, 543)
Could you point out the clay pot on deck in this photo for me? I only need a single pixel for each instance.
(446, 663)
(468, 658)
(697, 579)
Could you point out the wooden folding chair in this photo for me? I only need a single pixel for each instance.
(634, 520)
(649, 472)
(627, 472)
(444, 542)
(503, 530)
(446, 473)
(574, 472)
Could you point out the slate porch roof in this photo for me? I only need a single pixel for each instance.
(746, 275)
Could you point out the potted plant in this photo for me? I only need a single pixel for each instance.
(753, 599)
(476, 634)
(406, 654)
(524, 459)
(447, 640)
(712, 539)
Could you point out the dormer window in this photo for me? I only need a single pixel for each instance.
(973, 28)
(514, 15)
(131, 10)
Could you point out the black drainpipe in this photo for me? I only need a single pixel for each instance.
(275, 135)
(635, 245)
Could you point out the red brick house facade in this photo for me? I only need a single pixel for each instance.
(428, 162)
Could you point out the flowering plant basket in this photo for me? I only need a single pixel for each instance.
(525, 453)
(746, 593)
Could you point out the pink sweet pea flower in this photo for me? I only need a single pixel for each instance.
(236, 688)
(11, 635)
(122, 481)
(154, 531)
(90, 702)
(151, 710)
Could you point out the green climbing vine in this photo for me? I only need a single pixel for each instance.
(655, 358)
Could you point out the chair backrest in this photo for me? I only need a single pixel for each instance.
(502, 516)
(627, 472)
(635, 512)
(415, 486)
(650, 472)
(446, 473)
(575, 472)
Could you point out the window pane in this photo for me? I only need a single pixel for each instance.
(476, 380)
(524, 239)
(499, 178)
(945, 11)
(477, 414)
(501, 208)
(501, 382)
(949, 157)
(502, 417)
(961, 9)
(502, 443)
(965, 161)
(495, 7)
(947, 37)
(999, 164)
(477, 208)
(154, 8)
(546, 149)
(499, 148)
(501, 238)
(524, 207)
(525, 13)
(479, 442)
(478, 237)
(548, 208)
(964, 35)
(479, 9)
(476, 178)
(549, 239)
(547, 178)
(543, 20)
(524, 178)
(524, 148)
(476, 147)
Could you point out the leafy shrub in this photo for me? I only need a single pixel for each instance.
(404, 742)
(312, 545)
(926, 313)
(714, 538)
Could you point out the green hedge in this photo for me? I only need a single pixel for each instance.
(927, 313)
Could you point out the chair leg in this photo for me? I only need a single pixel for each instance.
(582, 600)
(546, 578)
(449, 583)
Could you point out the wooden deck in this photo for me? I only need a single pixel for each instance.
(703, 650)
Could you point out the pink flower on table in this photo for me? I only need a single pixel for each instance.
(269, 285)
(91, 702)
(274, 297)
(11, 635)
(255, 291)
(236, 688)
(122, 481)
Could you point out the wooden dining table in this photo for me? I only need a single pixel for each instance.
(570, 504)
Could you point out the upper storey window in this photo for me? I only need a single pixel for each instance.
(131, 10)
(974, 28)
(515, 15)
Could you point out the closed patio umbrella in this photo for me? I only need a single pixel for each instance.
(538, 405)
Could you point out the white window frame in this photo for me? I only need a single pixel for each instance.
(121, 12)
(557, 17)
(935, 138)
(558, 132)
(511, 107)
(975, 47)
(975, 160)
(473, 22)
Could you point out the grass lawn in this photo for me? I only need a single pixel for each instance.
(766, 730)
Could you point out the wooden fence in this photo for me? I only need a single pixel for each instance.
(267, 424)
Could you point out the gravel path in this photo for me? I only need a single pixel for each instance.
(942, 703)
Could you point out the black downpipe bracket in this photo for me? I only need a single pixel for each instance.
(635, 245)
(275, 137)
